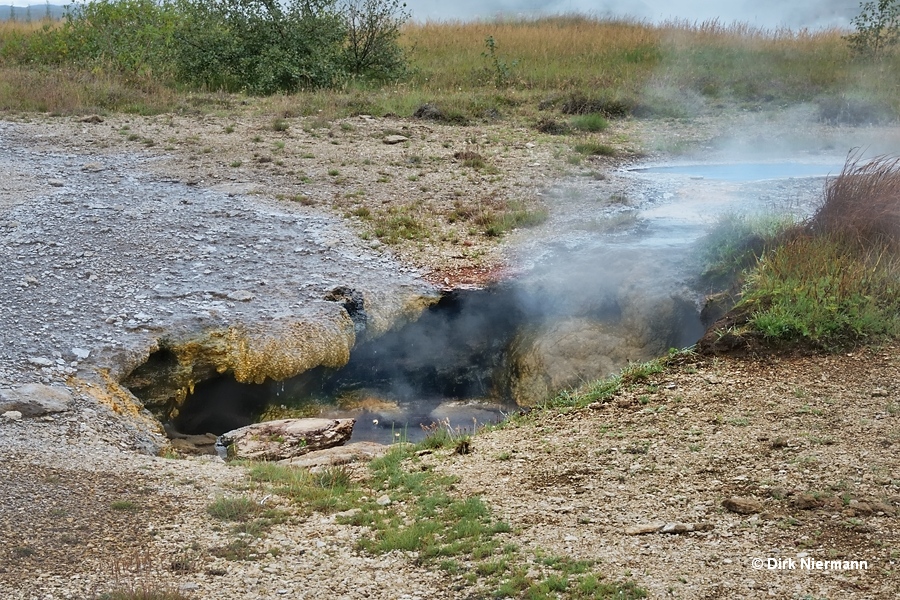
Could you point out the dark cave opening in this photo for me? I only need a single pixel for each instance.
(453, 364)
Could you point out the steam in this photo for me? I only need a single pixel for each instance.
(810, 14)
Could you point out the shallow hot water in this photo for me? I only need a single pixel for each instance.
(745, 172)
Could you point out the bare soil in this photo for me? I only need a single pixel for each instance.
(812, 439)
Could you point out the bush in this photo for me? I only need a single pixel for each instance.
(373, 28)
(259, 46)
(128, 36)
(256, 46)
(877, 27)
(816, 289)
(592, 122)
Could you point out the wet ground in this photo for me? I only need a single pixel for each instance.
(449, 367)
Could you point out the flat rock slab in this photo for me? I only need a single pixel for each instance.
(35, 399)
(742, 506)
(670, 528)
(286, 438)
(338, 455)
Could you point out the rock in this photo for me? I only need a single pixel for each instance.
(462, 415)
(565, 353)
(395, 139)
(338, 455)
(241, 296)
(35, 399)
(194, 444)
(670, 528)
(12, 415)
(742, 506)
(81, 353)
(861, 508)
(883, 507)
(286, 438)
(644, 529)
(40, 361)
(808, 502)
(383, 500)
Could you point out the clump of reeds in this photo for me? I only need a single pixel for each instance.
(862, 204)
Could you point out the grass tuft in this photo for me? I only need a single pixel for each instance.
(233, 509)
(833, 282)
(594, 149)
(592, 123)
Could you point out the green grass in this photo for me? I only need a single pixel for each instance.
(331, 490)
(595, 149)
(398, 223)
(593, 122)
(427, 516)
(817, 290)
(635, 375)
(506, 216)
(592, 68)
(144, 592)
(832, 282)
(735, 243)
(238, 509)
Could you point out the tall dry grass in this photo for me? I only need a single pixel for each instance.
(547, 54)
(59, 91)
(862, 204)
(672, 69)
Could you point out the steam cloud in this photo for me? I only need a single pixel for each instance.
(812, 14)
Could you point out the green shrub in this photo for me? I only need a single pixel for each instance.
(595, 149)
(373, 27)
(233, 509)
(818, 289)
(259, 46)
(255, 46)
(127, 36)
(736, 242)
(877, 27)
(144, 592)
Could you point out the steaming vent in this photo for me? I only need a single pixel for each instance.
(593, 304)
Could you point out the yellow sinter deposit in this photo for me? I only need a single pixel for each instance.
(280, 349)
